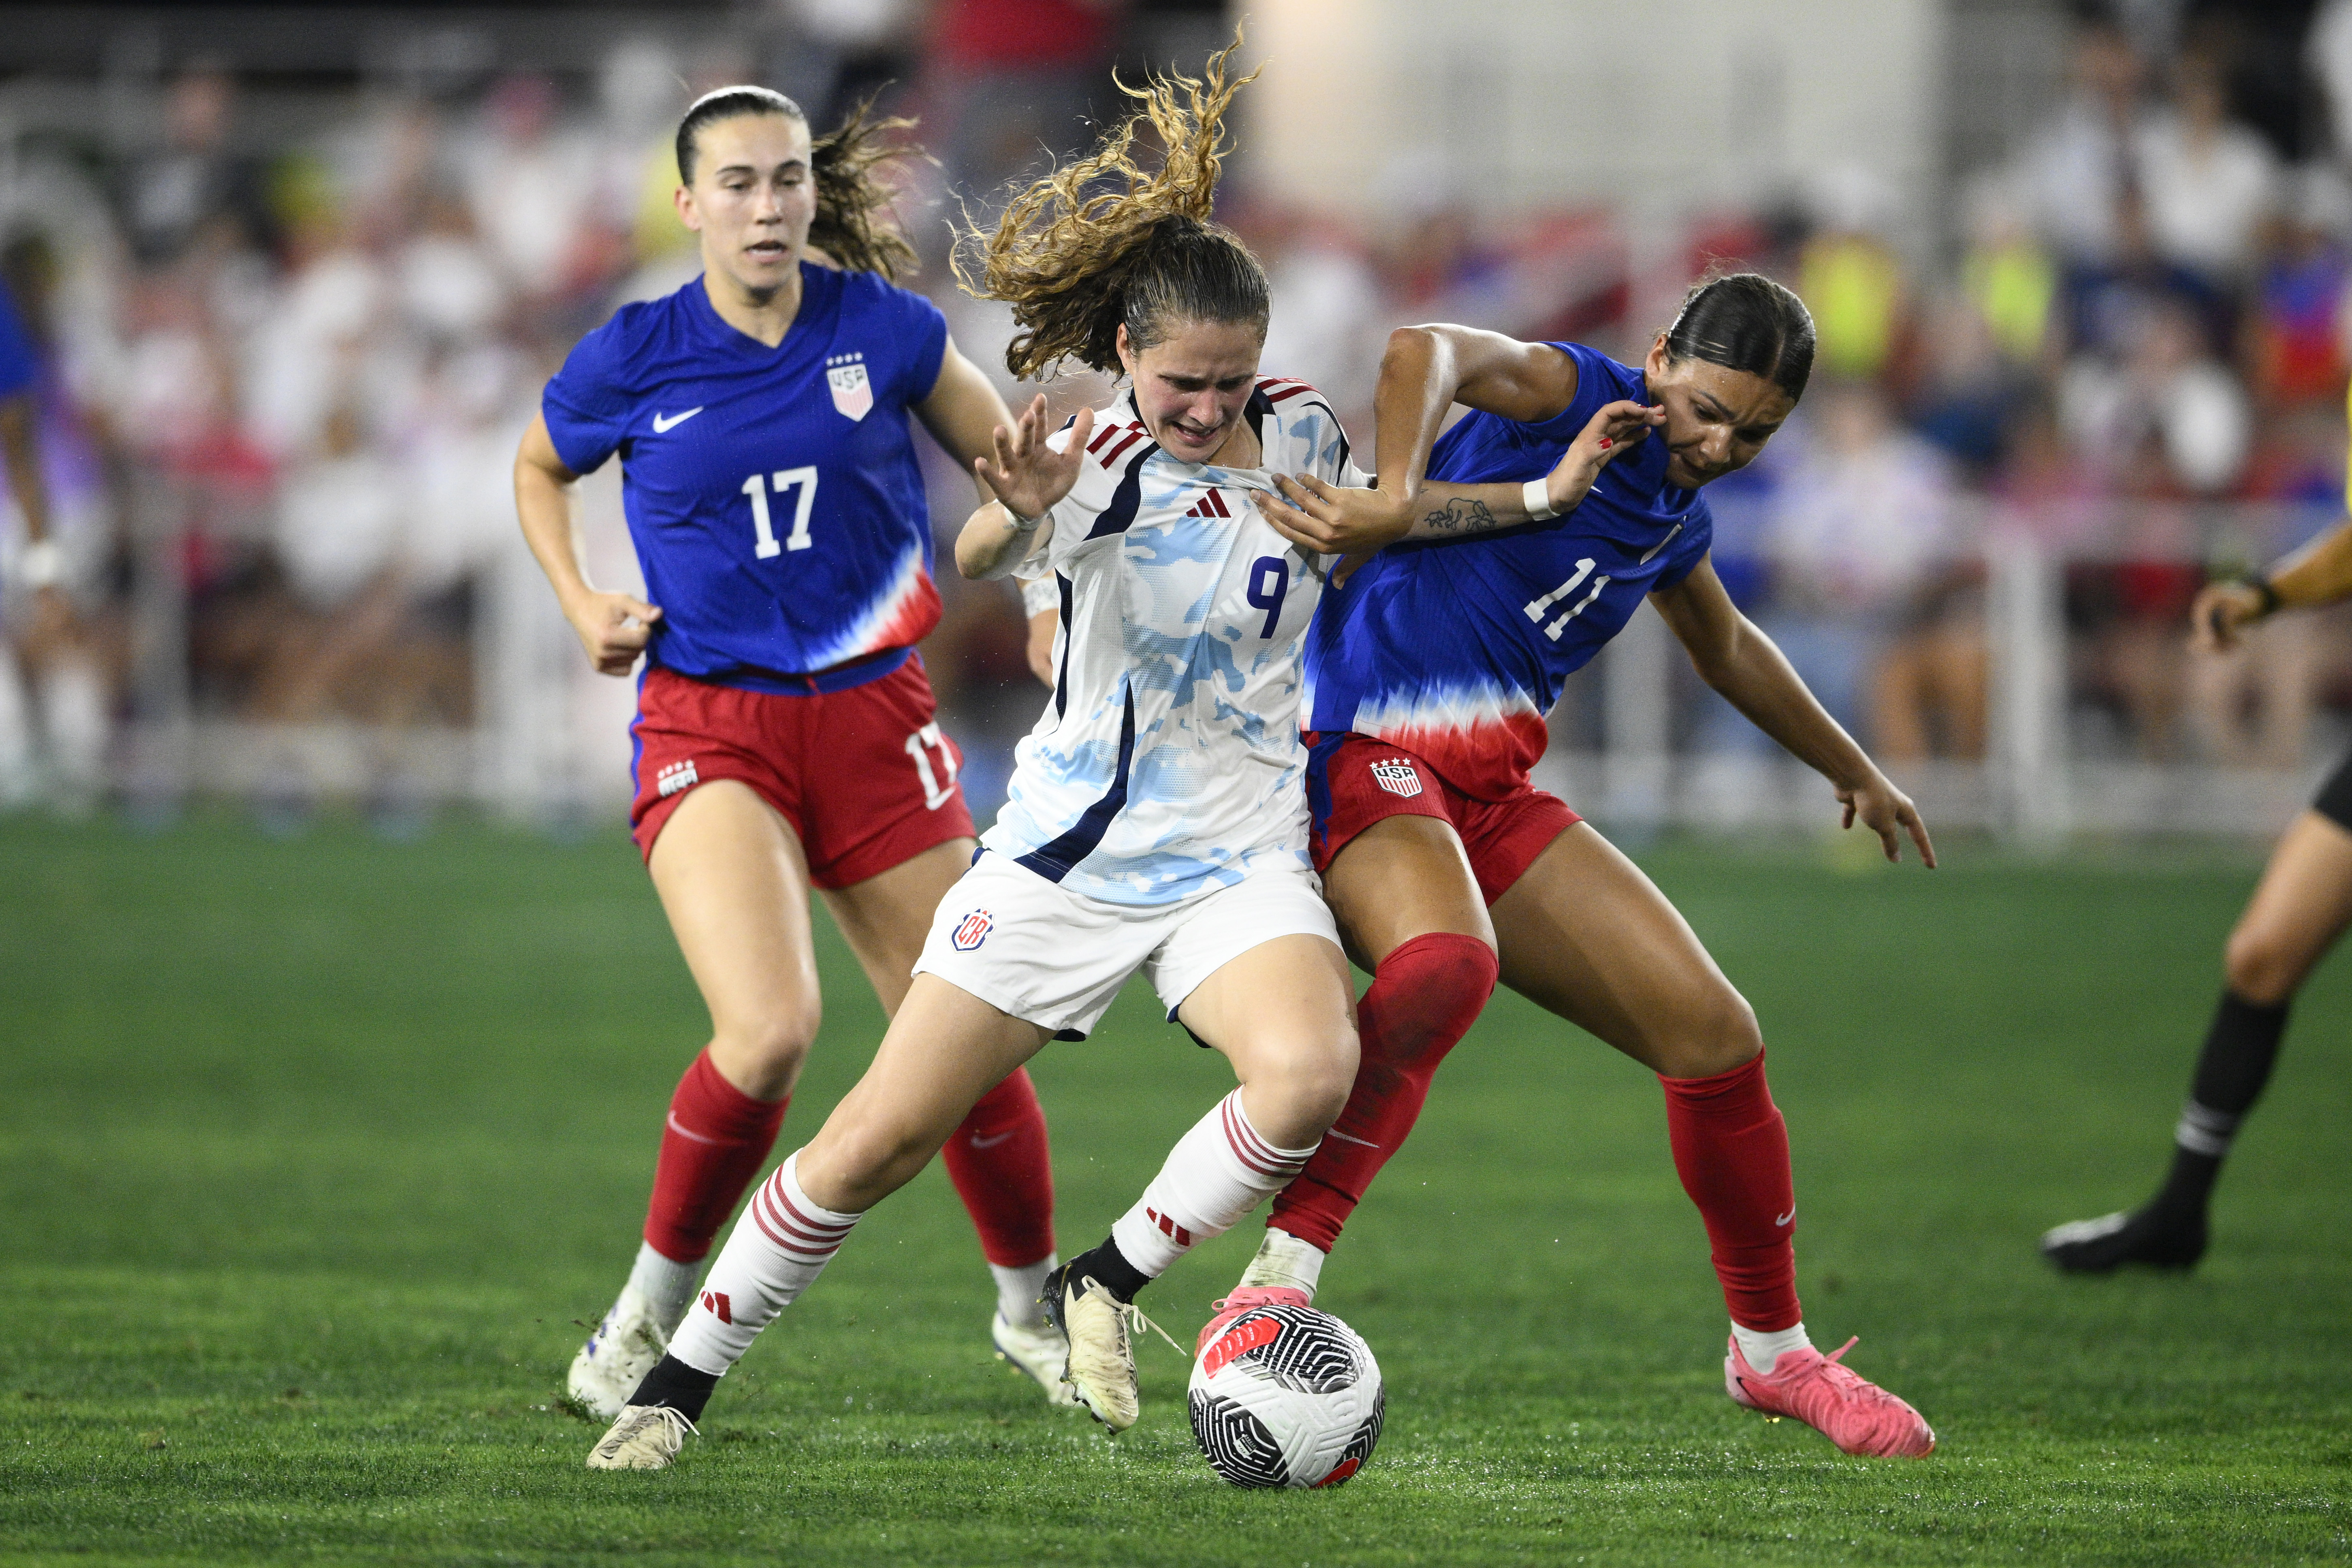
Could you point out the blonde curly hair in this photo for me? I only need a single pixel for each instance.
(1103, 243)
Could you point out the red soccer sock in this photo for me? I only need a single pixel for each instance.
(1003, 1170)
(1731, 1150)
(1423, 998)
(715, 1142)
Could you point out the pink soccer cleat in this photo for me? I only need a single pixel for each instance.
(1244, 1297)
(1847, 1408)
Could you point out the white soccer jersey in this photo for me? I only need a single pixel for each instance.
(1167, 763)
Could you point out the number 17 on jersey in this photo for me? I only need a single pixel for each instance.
(763, 527)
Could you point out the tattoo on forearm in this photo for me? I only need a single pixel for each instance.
(1461, 515)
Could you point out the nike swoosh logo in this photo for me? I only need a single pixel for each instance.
(1343, 1136)
(686, 1131)
(663, 423)
(1784, 1218)
(980, 1142)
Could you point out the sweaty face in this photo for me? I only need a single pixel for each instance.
(1718, 419)
(752, 199)
(1192, 386)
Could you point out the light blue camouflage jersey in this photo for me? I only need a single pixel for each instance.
(1169, 763)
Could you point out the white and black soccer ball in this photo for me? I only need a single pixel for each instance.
(1286, 1396)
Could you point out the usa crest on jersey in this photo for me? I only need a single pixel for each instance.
(853, 393)
(971, 931)
(1397, 776)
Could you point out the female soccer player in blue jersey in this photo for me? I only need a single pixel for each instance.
(785, 733)
(1158, 818)
(1430, 670)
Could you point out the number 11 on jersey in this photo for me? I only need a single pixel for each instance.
(1536, 607)
(784, 479)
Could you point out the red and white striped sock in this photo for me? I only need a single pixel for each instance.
(1217, 1173)
(777, 1249)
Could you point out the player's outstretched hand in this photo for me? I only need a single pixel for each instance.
(614, 629)
(1333, 520)
(2221, 614)
(1887, 812)
(1614, 429)
(1028, 475)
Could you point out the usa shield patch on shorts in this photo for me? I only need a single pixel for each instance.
(971, 931)
(1397, 776)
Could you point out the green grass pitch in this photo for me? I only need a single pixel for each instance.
(312, 1155)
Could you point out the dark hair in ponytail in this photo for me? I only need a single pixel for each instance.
(1743, 321)
(1077, 262)
(851, 201)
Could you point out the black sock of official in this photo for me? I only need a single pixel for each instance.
(2240, 1048)
(1109, 1268)
(683, 1388)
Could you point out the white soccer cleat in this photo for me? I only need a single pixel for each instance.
(1101, 1370)
(644, 1437)
(618, 1355)
(1100, 1329)
(1041, 1352)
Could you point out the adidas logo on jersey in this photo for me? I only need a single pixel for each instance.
(1210, 505)
(1397, 776)
(676, 776)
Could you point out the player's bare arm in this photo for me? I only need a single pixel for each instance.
(1732, 654)
(963, 411)
(612, 627)
(1338, 521)
(1027, 476)
(20, 458)
(2318, 573)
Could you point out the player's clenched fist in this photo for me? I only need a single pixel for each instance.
(614, 628)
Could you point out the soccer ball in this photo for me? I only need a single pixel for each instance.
(1286, 1396)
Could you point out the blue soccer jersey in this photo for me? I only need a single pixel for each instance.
(1455, 651)
(19, 367)
(773, 493)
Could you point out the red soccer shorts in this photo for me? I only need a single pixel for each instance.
(863, 774)
(1354, 781)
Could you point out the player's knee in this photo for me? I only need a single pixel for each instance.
(1294, 1102)
(1717, 1033)
(867, 1160)
(762, 1055)
(2261, 968)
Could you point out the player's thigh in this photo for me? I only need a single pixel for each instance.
(944, 1050)
(2299, 910)
(733, 883)
(1585, 934)
(884, 917)
(1283, 1014)
(1401, 878)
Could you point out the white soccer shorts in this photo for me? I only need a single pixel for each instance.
(1030, 948)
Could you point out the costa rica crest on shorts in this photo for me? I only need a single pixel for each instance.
(971, 931)
(853, 393)
(1397, 776)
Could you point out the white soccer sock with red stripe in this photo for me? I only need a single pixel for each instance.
(779, 1248)
(1217, 1174)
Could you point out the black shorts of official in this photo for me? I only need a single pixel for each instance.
(2335, 802)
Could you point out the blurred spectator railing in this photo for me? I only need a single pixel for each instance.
(2037, 683)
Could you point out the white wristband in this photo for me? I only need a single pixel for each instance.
(40, 565)
(1023, 525)
(1537, 498)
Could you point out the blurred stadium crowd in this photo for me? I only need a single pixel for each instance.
(282, 378)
